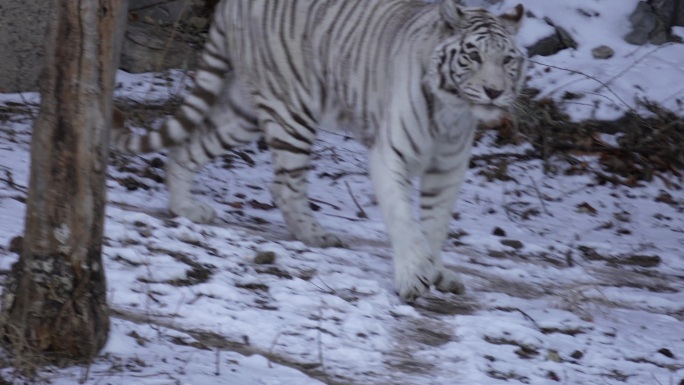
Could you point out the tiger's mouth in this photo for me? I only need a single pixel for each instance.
(483, 111)
(487, 112)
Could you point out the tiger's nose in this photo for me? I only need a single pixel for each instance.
(492, 93)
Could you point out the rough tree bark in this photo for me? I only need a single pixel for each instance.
(54, 307)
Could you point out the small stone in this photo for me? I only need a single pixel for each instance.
(499, 232)
(666, 352)
(602, 52)
(199, 22)
(157, 163)
(497, 254)
(591, 254)
(623, 216)
(264, 257)
(554, 356)
(552, 376)
(512, 243)
(643, 260)
(577, 355)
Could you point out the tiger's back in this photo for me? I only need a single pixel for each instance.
(342, 70)
(410, 79)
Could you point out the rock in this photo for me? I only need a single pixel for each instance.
(512, 243)
(565, 38)
(22, 43)
(667, 353)
(643, 260)
(643, 21)
(602, 52)
(552, 44)
(670, 11)
(553, 356)
(264, 257)
(652, 21)
(148, 47)
(591, 254)
(499, 232)
(546, 46)
(169, 11)
(198, 22)
(22, 28)
(588, 12)
(497, 254)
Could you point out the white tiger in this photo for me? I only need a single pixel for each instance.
(411, 79)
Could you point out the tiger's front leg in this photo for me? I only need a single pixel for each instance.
(415, 267)
(439, 189)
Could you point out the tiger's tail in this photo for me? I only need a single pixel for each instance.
(209, 82)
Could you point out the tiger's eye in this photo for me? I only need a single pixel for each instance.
(507, 59)
(475, 56)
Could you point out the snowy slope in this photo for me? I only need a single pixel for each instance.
(569, 282)
(606, 88)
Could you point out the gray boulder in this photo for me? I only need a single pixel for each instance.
(148, 47)
(553, 43)
(168, 11)
(652, 21)
(22, 29)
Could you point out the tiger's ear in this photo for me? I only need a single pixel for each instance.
(452, 13)
(512, 20)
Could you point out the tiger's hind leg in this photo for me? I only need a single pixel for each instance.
(290, 139)
(231, 124)
(180, 174)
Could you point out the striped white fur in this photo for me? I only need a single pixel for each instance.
(410, 79)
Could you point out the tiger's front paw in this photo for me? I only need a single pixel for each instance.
(324, 240)
(414, 278)
(198, 212)
(449, 282)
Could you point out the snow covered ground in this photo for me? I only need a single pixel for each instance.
(569, 281)
(601, 89)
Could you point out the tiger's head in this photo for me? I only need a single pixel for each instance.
(478, 60)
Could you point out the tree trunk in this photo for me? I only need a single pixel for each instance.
(54, 307)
